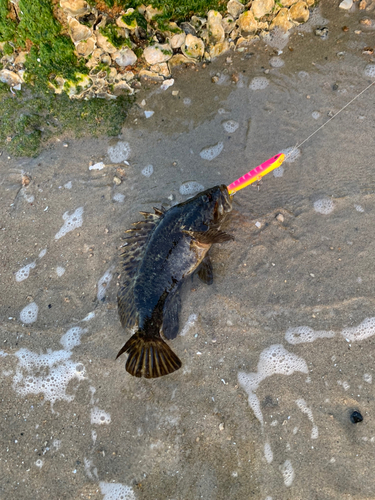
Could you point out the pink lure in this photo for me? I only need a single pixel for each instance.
(256, 174)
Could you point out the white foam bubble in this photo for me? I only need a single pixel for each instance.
(186, 101)
(361, 332)
(99, 417)
(212, 152)
(190, 188)
(28, 197)
(119, 197)
(72, 337)
(39, 463)
(29, 313)
(90, 316)
(68, 185)
(259, 83)
(148, 114)
(367, 377)
(119, 153)
(104, 282)
(71, 222)
(288, 472)
(359, 208)
(48, 374)
(190, 322)
(276, 62)
(302, 334)
(277, 38)
(24, 272)
(148, 171)
(94, 435)
(275, 360)
(230, 126)
(291, 153)
(315, 115)
(324, 206)
(268, 453)
(302, 405)
(278, 172)
(97, 166)
(370, 70)
(116, 491)
(3, 354)
(60, 271)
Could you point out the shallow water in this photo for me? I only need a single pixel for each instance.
(276, 354)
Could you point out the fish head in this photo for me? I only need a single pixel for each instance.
(212, 205)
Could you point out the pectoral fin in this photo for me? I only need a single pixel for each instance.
(205, 272)
(210, 237)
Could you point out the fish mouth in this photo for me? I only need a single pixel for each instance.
(226, 200)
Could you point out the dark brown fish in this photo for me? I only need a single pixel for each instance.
(158, 253)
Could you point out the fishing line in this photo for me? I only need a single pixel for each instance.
(332, 117)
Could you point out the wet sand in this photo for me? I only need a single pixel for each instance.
(276, 354)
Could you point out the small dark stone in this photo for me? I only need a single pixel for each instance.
(322, 32)
(335, 86)
(356, 417)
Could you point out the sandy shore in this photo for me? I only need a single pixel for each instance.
(276, 354)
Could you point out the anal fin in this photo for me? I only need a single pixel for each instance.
(205, 271)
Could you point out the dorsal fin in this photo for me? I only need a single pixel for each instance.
(159, 211)
(133, 249)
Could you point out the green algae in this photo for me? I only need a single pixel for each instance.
(29, 119)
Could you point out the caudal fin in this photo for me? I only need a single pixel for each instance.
(149, 357)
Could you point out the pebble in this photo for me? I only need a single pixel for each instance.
(247, 22)
(346, 4)
(193, 47)
(124, 57)
(280, 217)
(262, 7)
(158, 53)
(235, 8)
(356, 417)
(299, 12)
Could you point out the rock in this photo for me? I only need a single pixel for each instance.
(158, 53)
(228, 23)
(282, 20)
(151, 75)
(235, 8)
(188, 29)
(299, 12)
(106, 59)
(177, 40)
(179, 59)
(112, 75)
(151, 13)
(77, 30)
(346, 4)
(104, 43)
(193, 47)
(262, 7)
(161, 69)
(124, 57)
(86, 47)
(9, 77)
(124, 21)
(218, 49)
(198, 22)
(215, 29)
(356, 417)
(247, 22)
(21, 58)
(287, 3)
(310, 3)
(74, 7)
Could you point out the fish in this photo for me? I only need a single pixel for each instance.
(157, 256)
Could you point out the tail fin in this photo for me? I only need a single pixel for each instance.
(149, 357)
